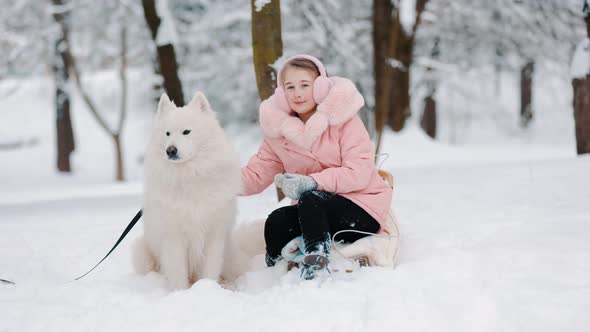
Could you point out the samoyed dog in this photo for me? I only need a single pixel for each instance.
(192, 179)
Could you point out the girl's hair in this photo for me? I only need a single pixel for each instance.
(300, 64)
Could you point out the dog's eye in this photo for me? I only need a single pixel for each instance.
(186, 132)
(167, 133)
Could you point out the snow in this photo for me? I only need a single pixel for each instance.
(581, 61)
(166, 31)
(407, 14)
(394, 63)
(494, 237)
(259, 4)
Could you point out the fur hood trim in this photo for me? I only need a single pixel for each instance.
(341, 104)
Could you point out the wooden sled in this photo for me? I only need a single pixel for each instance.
(379, 249)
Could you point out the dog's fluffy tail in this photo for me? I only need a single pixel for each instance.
(246, 241)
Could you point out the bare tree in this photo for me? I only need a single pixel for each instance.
(161, 26)
(115, 134)
(64, 131)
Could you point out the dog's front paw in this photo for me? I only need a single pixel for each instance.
(143, 260)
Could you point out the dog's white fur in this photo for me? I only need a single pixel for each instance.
(189, 205)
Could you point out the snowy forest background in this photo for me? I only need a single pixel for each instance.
(466, 71)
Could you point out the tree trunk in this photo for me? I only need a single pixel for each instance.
(393, 49)
(65, 133)
(399, 109)
(166, 55)
(582, 101)
(267, 45)
(402, 48)
(428, 121)
(428, 118)
(382, 30)
(582, 113)
(120, 175)
(526, 94)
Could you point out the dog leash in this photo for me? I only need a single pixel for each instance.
(129, 227)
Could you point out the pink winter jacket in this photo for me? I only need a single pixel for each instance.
(333, 147)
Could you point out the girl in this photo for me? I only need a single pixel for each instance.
(317, 150)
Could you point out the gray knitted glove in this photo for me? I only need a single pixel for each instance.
(293, 185)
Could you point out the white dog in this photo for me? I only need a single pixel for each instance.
(192, 178)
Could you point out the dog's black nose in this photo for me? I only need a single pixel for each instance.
(171, 151)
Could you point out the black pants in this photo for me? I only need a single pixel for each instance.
(316, 216)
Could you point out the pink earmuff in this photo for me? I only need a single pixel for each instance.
(321, 85)
(321, 88)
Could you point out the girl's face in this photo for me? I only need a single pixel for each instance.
(299, 89)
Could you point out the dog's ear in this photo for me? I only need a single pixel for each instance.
(200, 102)
(165, 103)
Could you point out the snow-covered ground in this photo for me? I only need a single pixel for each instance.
(494, 238)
